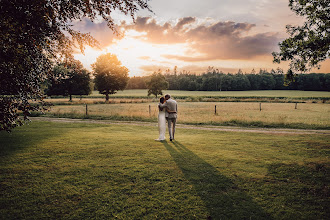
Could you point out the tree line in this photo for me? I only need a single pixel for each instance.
(215, 80)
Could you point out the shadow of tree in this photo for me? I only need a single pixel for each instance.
(26, 136)
(222, 198)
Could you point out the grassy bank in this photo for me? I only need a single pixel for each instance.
(81, 171)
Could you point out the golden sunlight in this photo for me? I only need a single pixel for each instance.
(134, 52)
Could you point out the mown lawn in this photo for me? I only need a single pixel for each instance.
(80, 171)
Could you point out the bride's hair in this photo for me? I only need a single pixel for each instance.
(161, 100)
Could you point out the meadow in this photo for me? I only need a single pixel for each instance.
(180, 94)
(98, 171)
(261, 93)
(288, 115)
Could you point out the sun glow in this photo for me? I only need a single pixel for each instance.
(135, 53)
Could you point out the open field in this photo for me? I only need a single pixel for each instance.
(307, 115)
(262, 93)
(271, 94)
(95, 171)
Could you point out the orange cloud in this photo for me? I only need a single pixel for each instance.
(145, 57)
(215, 41)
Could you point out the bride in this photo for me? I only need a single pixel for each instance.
(162, 120)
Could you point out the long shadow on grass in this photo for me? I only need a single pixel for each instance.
(222, 198)
(26, 136)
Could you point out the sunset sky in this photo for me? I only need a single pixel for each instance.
(194, 34)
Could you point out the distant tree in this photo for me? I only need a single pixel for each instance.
(69, 79)
(243, 82)
(56, 84)
(110, 75)
(136, 82)
(193, 86)
(309, 44)
(36, 34)
(227, 81)
(184, 82)
(279, 81)
(326, 82)
(267, 81)
(255, 81)
(156, 84)
(309, 82)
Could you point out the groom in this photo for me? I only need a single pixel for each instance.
(172, 115)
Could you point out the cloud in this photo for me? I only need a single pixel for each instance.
(99, 30)
(207, 41)
(193, 69)
(152, 68)
(157, 33)
(145, 57)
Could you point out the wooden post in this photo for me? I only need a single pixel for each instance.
(295, 107)
(86, 110)
(215, 109)
(149, 110)
(260, 106)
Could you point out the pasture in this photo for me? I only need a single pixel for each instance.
(252, 96)
(307, 115)
(261, 93)
(98, 171)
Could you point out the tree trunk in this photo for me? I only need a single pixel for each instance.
(107, 96)
(70, 98)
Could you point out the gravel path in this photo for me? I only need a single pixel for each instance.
(200, 127)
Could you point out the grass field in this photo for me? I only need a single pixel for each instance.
(142, 93)
(88, 171)
(307, 115)
(262, 93)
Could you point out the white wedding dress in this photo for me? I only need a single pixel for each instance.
(161, 125)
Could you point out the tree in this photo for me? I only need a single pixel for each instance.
(309, 44)
(136, 82)
(110, 75)
(70, 79)
(156, 84)
(267, 81)
(36, 34)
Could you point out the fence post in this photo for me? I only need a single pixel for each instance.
(295, 107)
(215, 109)
(86, 110)
(149, 110)
(260, 106)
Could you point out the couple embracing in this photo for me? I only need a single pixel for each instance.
(168, 109)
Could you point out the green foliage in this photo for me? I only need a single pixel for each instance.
(69, 79)
(136, 82)
(110, 75)
(309, 44)
(156, 84)
(218, 81)
(36, 34)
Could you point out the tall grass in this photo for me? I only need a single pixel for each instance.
(307, 115)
